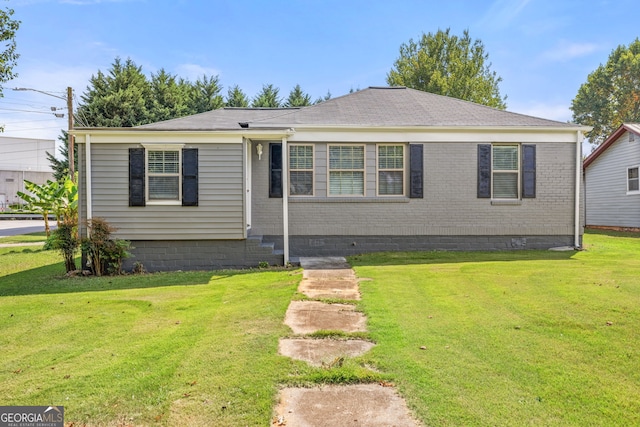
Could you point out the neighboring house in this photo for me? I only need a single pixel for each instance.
(20, 159)
(381, 169)
(611, 175)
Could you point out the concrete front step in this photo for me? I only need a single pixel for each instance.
(322, 352)
(306, 317)
(363, 405)
(330, 288)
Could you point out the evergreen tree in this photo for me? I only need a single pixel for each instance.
(448, 65)
(168, 97)
(120, 98)
(61, 167)
(205, 95)
(297, 98)
(236, 97)
(267, 98)
(323, 98)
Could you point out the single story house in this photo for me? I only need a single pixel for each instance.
(611, 175)
(381, 169)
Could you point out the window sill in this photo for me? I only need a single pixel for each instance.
(632, 193)
(348, 199)
(505, 202)
(164, 203)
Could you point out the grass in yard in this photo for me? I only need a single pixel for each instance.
(517, 338)
(192, 348)
(25, 238)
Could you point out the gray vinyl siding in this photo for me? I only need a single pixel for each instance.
(607, 201)
(219, 214)
(450, 205)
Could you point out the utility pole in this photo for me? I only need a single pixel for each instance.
(70, 138)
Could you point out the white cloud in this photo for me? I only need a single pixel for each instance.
(193, 71)
(502, 13)
(565, 51)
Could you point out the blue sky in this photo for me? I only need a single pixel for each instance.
(542, 49)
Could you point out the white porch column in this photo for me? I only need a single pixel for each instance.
(87, 168)
(285, 199)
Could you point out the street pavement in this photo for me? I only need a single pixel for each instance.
(14, 227)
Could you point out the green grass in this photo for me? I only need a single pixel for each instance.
(518, 338)
(25, 238)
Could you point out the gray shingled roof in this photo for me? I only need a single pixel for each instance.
(375, 106)
(220, 119)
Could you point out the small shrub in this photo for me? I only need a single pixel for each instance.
(64, 239)
(104, 253)
(263, 264)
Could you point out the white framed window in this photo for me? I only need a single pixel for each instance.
(633, 180)
(391, 166)
(301, 161)
(505, 171)
(346, 170)
(164, 173)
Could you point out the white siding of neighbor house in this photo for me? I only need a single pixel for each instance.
(607, 201)
(219, 214)
(450, 205)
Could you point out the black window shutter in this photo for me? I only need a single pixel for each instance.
(484, 170)
(416, 173)
(136, 177)
(275, 170)
(528, 171)
(190, 177)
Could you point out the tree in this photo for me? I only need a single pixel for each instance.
(120, 98)
(61, 166)
(297, 98)
(168, 97)
(8, 56)
(448, 65)
(611, 94)
(236, 98)
(323, 98)
(204, 95)
(267, 98)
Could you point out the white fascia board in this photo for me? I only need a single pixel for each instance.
(141, 136)
(435, 135)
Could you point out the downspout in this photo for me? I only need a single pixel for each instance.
(285, 199)
(87, 148)
(579, 137)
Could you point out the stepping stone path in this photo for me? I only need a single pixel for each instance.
(369, 405)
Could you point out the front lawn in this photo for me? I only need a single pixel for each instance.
(491, 338)
(511, 339)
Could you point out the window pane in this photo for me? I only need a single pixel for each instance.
(163, 187)
(505, 185)
(390, 182)
(390, 157)
(634, 180)
(505, 158)
(300, 157)
(164, 162)
(301, 183)
(346, 183)
(346, 157)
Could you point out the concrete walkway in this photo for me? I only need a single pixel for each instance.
(369, 405)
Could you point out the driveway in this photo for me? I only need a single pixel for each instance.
(14, 227)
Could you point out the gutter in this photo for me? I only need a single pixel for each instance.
(579, 138)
